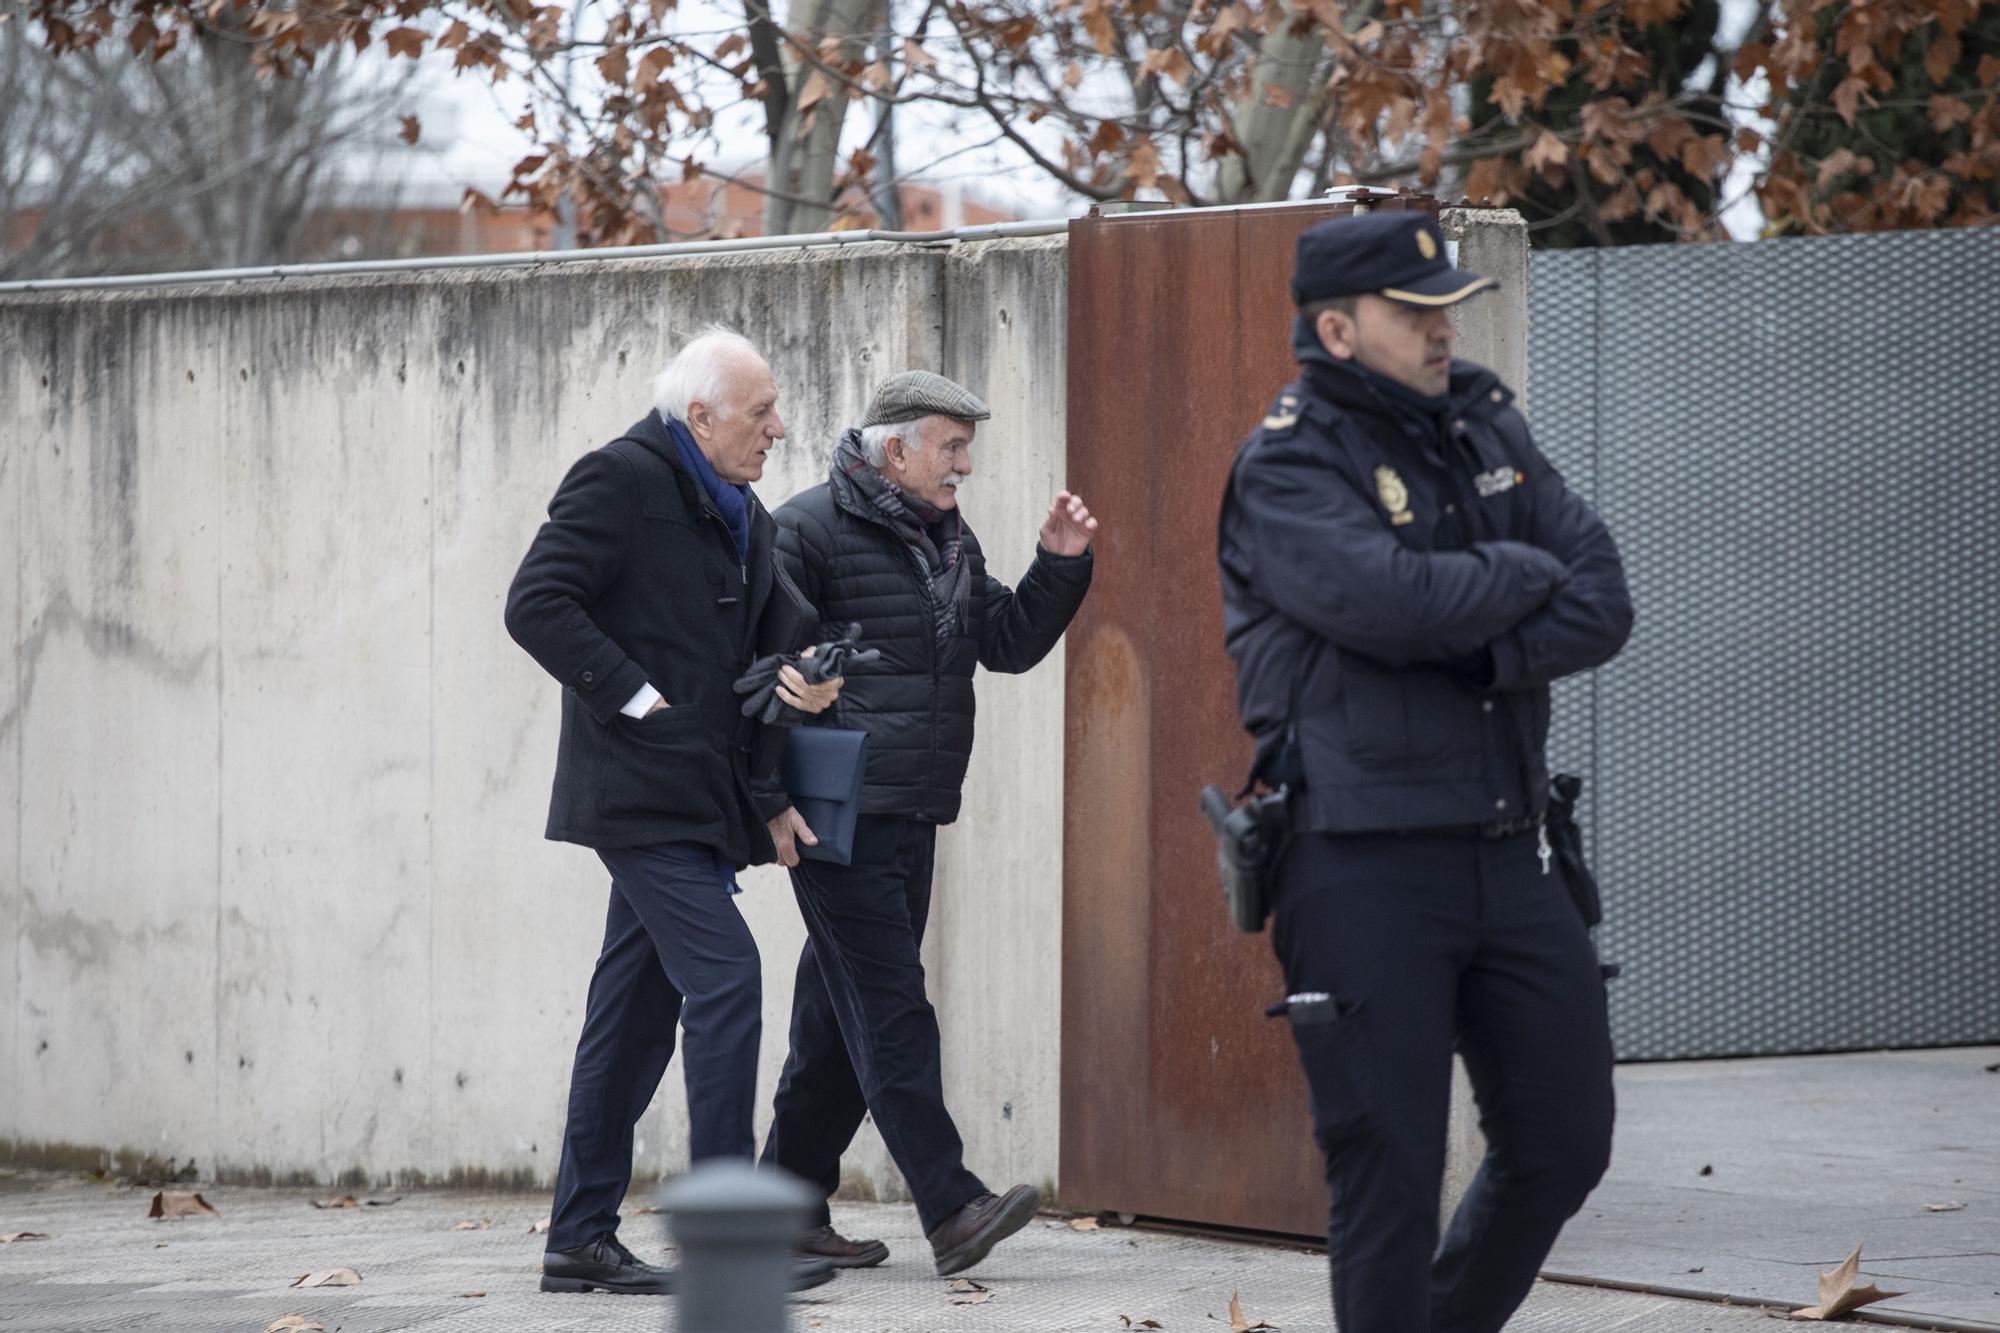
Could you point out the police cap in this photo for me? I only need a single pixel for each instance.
(1399, 255)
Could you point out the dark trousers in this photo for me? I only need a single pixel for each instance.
(1424, 941)
(864, 1036)
(675, 950)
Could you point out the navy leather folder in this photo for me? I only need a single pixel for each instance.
(822, 770)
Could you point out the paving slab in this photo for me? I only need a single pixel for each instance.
(107, 1267)
(1749, 1177)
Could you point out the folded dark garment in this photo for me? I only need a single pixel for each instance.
(759, 685)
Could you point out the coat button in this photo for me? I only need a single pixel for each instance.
(1458, 424)
(1497, 395)
(1500, 804)
(589, 676)
(1486, 706)
(1451, 509)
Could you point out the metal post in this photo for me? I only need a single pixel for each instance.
(735, 1225)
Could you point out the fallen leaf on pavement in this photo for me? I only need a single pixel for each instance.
(1130, 1322)
(540, 1227)
(483, 1224)
(290, 1324)
(331, 1277)
(471, 1295)
(1083, 1224)
(385, 1203)
(967, 1292)
(1237, 1323)
(1706, 1171)
(649, 1210)
(1838, 1294)
(180, 1203)
(344, 1201)
(13, 1236)
(1993, 1068)
(1944, 1207)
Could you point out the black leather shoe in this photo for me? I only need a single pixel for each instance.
(604, 1265)
(964, 1238)
(828, 1244)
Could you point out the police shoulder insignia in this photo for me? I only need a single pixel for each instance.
(1284, 414)
(1394, 495)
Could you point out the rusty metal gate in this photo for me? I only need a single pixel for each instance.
(1178, 1099)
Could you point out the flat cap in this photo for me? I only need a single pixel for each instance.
(1399, 255)
(918, 393)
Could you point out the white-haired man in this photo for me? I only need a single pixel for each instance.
(883, 543)
(649, 591)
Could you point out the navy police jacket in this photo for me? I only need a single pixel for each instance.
(1407, 588)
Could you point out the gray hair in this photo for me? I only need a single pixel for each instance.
(875, 439)
(696, 373)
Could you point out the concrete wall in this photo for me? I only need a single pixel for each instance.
(273, 894)
(276, 897)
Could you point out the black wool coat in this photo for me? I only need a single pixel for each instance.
(916, 703)
(635, 580)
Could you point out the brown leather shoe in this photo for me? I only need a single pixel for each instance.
(828, 1244)
(968, 1234)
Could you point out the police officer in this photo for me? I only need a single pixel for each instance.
(1403, 576)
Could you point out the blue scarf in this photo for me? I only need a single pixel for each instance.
(732, 501)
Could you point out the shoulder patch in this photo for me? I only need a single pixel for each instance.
(1284, 413)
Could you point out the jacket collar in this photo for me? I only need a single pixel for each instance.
(651, 433)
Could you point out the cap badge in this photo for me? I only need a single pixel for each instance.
(1394, 495)
(1425, 245)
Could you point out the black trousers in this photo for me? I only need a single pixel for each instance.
(676, 950)
(864, 1035)
(1425, 941)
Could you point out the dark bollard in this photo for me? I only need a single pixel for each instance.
(735, 1225)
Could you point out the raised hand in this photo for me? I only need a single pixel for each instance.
(1069, 528)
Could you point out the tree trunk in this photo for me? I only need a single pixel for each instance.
(805, 145)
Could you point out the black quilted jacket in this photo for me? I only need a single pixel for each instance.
(916, 703)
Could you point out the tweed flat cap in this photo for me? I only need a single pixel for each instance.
(919, 393)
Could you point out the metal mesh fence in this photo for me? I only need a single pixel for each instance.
(1794, 768)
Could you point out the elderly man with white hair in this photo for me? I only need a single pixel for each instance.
(649, 591)
(883, 543)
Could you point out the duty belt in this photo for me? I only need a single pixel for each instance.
(1493, 832)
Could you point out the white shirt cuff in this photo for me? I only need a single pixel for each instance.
(641, 703)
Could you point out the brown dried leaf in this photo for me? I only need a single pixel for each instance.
(471, 1295)
(614, 67)
(14, 1236)
(1838, 1295)
(330, 1277)
(967, 1292)
(540, 1227)
(1130, 1322)
(1548, 152)
(483, 1224)
(180, 1203)
(1942, 58)
(1944, 1207)
(405, 41)
(1238, 1324)
(731, 44)
(344, 1201)
(1947, 112)
(916, 57)
(292, 1323)
(1083, 1224)
(412, 129)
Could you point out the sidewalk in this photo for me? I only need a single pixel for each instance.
(1748, 1177)
(107, 1267)
(1808, 1158)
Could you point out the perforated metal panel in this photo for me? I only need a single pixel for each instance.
(1795, 766)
